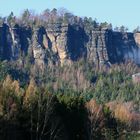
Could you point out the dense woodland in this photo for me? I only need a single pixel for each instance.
(75, 102)
(92, 104)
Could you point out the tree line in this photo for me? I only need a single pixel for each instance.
(61, 16)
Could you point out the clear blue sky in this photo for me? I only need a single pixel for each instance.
(117, 12)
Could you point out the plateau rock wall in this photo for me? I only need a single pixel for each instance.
(63, 44)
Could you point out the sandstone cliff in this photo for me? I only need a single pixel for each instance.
(63, 44)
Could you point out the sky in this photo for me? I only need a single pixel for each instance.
(117, 12)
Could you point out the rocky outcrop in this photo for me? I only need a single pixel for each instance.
(97, 49)
(124, 47)
(5, 43)
(62, 44)
(14, 42)
(137, 38)
(38, 49)
(58, 41)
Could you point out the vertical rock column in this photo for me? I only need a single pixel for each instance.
(102, 48)
(1, 41)
(137, 38)
(10, 46)
(137, 54)
(38, 50)
(98, 49)
(58, 36)
(5, 42)
(15, 43)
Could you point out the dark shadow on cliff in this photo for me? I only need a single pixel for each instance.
(5, 43)
(77, 39)
(120, 46)
(25, 34)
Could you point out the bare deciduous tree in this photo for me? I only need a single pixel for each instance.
(96, 120)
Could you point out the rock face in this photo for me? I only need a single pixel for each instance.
(57, 35)
(137, 38)
(5, 42)
(38, 48)
(124, 47)
(14, 42)
(63, 44)
(97, 49)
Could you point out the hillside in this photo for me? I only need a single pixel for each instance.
(63, 77)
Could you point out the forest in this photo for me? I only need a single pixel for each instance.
(89, 105)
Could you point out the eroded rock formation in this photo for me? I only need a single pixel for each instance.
(97, 49)
(62, 44)
(58, 41)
